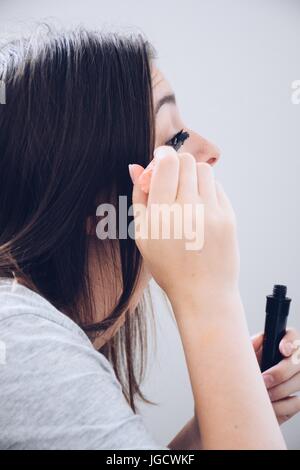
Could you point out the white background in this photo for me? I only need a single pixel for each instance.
(231, 63)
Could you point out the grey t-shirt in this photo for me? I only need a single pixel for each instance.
(56, 390)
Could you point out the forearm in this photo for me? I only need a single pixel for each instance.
(232, 404)
(188, 438)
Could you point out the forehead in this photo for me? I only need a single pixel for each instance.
(160, 85)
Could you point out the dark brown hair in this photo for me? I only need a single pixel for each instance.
(78, 111)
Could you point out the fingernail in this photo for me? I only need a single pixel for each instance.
(269, 380)
(287, 348)
(131, 172)
(144, 179)
(162, 151)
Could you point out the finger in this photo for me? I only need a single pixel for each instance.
(188, 183)
(139, 202)
(223, 199)
(285, 389)
(285, 409)
(281, 372)
(144, 179)
(257, 342)
(164, 181)
(206, 183)
(287, 344)
(138, 195)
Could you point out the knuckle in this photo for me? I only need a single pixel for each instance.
(276, 393)
(168, 161)
(280, 374)
(213, 219)
(204, 167)
(293, 333)
(227, 222)
(187, 158)
(219, 219)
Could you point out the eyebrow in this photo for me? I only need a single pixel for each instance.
(164, 100)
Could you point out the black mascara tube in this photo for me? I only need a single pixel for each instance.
(277, 310)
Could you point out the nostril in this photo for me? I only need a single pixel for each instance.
(212, 161)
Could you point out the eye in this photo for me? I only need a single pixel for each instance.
(177, 141)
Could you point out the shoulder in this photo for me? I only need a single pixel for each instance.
(18, 303)
(31, 328)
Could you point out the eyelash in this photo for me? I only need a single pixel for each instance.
(177, 141)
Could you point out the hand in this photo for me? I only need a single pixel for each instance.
(282, 380)
(286, 380)
(178, 180)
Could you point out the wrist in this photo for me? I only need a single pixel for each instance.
(209, 300)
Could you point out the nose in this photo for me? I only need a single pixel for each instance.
(202, 149)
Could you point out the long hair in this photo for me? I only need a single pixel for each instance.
(78, 110)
